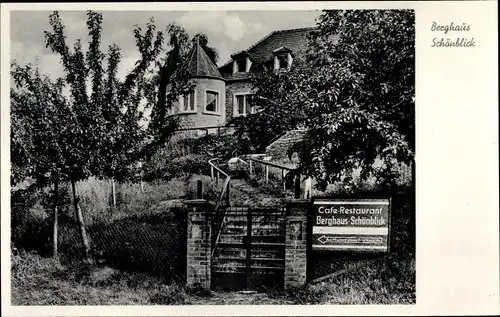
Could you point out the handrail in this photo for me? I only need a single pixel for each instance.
(277, 137)
(225, 190)
(272, 164)
(215, 166)
(282, 167)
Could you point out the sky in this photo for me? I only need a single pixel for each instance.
(227, 31)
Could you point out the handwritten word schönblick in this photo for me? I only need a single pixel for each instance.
(448, 41)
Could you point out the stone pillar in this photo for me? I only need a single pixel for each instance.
(198, 244)
(296, 243)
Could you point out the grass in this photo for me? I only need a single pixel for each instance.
(387, 280)
(43, 281)
(145, 233)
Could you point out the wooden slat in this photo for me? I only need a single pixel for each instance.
(244, 267)
(253, 259)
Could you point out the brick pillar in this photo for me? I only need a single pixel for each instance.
(296, 243)
(198, 244)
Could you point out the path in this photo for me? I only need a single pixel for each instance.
(237, 298)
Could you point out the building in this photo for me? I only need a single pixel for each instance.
(222, 94)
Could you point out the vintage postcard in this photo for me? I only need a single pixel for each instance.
(250, 159)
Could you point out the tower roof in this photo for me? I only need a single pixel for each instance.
(200, 65)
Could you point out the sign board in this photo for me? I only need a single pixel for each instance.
(351, 225)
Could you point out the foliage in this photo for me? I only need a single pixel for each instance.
(211, 51)
(97, 128)
(176, 166)
(361, 98)
(386, 280)
(276, 93)
(353, 91)
(109, 119)
(42, 127)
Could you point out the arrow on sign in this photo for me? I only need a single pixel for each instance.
(323, 239)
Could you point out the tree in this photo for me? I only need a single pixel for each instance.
(97, 144)
(211, 51)
(361, 101)
(354, 93)
(41, 121)
(97, 129)
(276, 94)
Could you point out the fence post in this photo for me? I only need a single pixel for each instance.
(217, 178)
(251, 167)
(267, 174)
(283, 180)
(248, 248)
(228, 197)
(199, 189)
(211, 172)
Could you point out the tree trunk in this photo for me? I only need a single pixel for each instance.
(56, 225)
(113, 192)
(79, 215)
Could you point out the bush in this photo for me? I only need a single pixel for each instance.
(180, 166)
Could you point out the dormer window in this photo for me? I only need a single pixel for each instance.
(242, 62)
(282, 58)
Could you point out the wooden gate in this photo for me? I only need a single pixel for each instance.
(249, 248)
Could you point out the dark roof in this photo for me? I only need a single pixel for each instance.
(282, 49)
(293, 39)
(243, 53)
(237, 76)
(200, 65)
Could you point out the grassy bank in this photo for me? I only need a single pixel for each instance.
(43, 281)
(146, 232)
(387, 280)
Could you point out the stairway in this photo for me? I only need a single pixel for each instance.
(238, 264)
(248, 195)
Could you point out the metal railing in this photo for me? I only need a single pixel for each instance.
(216, 172)
(284, 169)
(253, 160)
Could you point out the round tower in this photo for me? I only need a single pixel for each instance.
(206, 106)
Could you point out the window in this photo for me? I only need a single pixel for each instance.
(212, 101)
(243, 105)
(282, 61)
(188, 103)
(241, 65)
